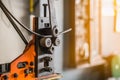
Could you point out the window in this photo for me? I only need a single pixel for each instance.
(77, 45)
(82, 35)
(117, 15)
(107, 8)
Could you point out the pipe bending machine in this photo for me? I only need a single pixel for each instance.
(36, 62)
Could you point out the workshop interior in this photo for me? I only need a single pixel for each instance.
(59, 39)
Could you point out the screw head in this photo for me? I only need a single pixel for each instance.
(15, 75)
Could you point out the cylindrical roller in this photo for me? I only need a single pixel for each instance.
(55, 31)
(57, 42)
(46, 42)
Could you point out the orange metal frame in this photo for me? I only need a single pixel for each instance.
(27, 56)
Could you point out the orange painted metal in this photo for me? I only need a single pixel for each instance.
(28, 56)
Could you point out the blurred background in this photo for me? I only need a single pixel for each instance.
(91, 51)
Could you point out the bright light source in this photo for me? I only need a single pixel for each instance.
(108, 11)
(77, 1)
(107, 8)
(118, 2)
(117, 23)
